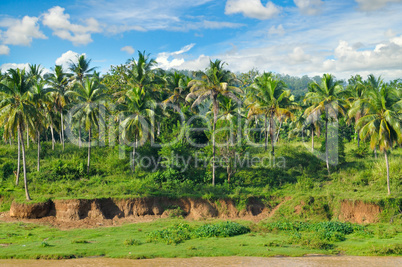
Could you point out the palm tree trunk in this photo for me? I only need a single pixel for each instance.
(17, 178)
(89, 151)
(229, 172)
(38, 167)
(213, 139)
(326, 146)
(266, 132)
(27, 137)
(51, 130)
(387, 163)
(375, 152)
(271, 131)
(358, 141)
(312, 139)
(134, 147)
(79, 134)
(279, 130)
(24, 164)
(62, 128)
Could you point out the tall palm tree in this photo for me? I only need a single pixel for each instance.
(16, 110)
(39, 97)
(80, 69)
(88, 95)
(58, 82)
(326, 98)
(139, 71)
(177, 85)
(382, 121)
(269, 97)
(355, 93)
(216, 81)
(136, 110)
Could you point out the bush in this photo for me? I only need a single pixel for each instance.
(172, 235)
(223, 229)
(181, 232)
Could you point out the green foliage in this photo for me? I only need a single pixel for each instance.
(223, 229)
(172, 235)
(180, 232)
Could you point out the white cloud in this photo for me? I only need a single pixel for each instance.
(6, 66)
(4, 50)
(60, 23)
(370, 5)
(128, 49)
(66, 58)
(309, 7)
(276, 30)
(252, 9)
(165, 62)
(299, 56)
(21, 32)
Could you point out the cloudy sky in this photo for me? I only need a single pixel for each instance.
(296, 37)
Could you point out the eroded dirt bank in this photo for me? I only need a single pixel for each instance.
(106, 212)
(84, 213)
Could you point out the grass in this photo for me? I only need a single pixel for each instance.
(31, 241)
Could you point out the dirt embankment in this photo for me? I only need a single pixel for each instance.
(86, 213)
(359, 212)
(105, 212)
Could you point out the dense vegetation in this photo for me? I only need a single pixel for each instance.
(153, 132)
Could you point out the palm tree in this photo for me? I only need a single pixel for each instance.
(39, 97)
(139, 73)
(325, 98)
(80, 69)
(230, 112)
(356, 92)
(215, 82)
(382, 121)
(58, 82)
(135, 108)
(16, 110)
(269, 97)
(177, 85)
(88, 95)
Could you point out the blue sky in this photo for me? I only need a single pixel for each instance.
(295, 37)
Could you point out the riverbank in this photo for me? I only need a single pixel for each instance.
(171, 238)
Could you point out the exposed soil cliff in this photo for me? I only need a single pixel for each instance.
(106, 212)
(359, 212)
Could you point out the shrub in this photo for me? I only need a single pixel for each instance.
(171, 235)
(223, 229)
